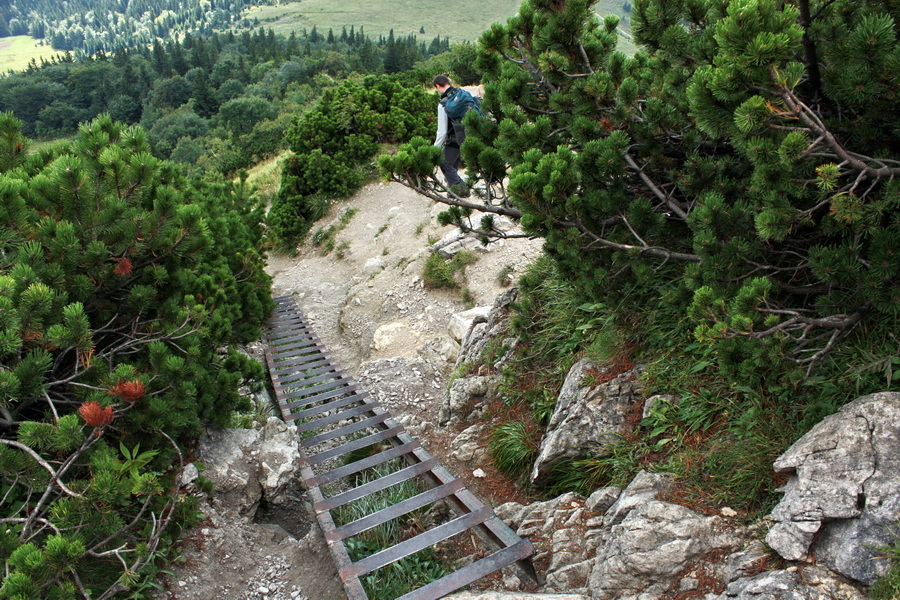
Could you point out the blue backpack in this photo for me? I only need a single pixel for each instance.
(459, 102)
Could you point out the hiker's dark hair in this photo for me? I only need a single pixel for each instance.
(442, 80)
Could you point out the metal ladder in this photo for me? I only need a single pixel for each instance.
(331, 410)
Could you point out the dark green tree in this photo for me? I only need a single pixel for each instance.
(743, 166)
(120, 283)
(203, 97)
(331, 143)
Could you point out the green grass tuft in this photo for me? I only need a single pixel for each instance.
(513, 448)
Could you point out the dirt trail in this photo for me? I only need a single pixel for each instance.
(371, 309)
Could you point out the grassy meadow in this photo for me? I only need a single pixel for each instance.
(16, 52)
(460, 20)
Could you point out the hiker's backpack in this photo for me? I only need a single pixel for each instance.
(459, 103)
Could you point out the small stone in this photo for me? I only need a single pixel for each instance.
(182, 583)
(263, 589)
(480, 474)
(728, 512)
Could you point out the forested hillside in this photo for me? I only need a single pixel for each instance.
(720, 208)
(215, 102)
(91, 25)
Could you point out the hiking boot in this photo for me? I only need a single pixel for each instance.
(460, 190)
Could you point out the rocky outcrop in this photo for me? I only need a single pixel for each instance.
(621, 544)
(466, 396)
(562, 532)
(653, 550)
(492, 328)
(843, 498)
(587, 416)
(643, 488)
(462, 322)
(257, 538)
(247, 465)
(806, 583)
(468, 446)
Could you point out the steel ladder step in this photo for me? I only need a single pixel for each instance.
(329, 409)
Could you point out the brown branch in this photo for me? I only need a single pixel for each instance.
(54, 474)
(666, 198)
(808, 117)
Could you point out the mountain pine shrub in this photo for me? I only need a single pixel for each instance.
(121, 286)
(333, 143)
(740, 171)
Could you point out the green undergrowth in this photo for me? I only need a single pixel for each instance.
(888, 586)
(448, 273)
(719, 435)
(325, 237)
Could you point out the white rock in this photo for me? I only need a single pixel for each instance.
(461, 322)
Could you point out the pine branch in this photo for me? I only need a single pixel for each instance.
(857, 162)
(666, 198)
(54, 475)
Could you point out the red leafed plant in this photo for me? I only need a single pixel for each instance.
(124, 267)
(96, 415)
(129, 391)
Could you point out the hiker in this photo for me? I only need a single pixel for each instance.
(455, 102)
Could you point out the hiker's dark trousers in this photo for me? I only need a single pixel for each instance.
(451, 165)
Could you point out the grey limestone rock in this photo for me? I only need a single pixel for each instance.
(229, 457)
(602, 499)
(808, 583)
(467, 446)
(643, 488)
(279, 459)
(586, 417)
(844, 495)
(492, 327)
(248, 464)
(648, 552)
(466, 392)
(462, 322)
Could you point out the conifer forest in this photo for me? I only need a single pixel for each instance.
(722, 205)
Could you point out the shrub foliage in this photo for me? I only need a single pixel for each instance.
(121, 283)
(742, 166)
(333, 142)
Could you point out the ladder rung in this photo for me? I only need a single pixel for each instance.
(345, 430)
(381, 436)
(382, 483)
(420, 542)
(471, 572)
(310, 400)
(322, 408)
(366, 407)
(397, 510)
(362, 465)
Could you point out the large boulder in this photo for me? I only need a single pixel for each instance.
(247, 465)
(279, 460)
(225, 454)
(587, 416)
(653, 550)
(808, 583)
(844, 494)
